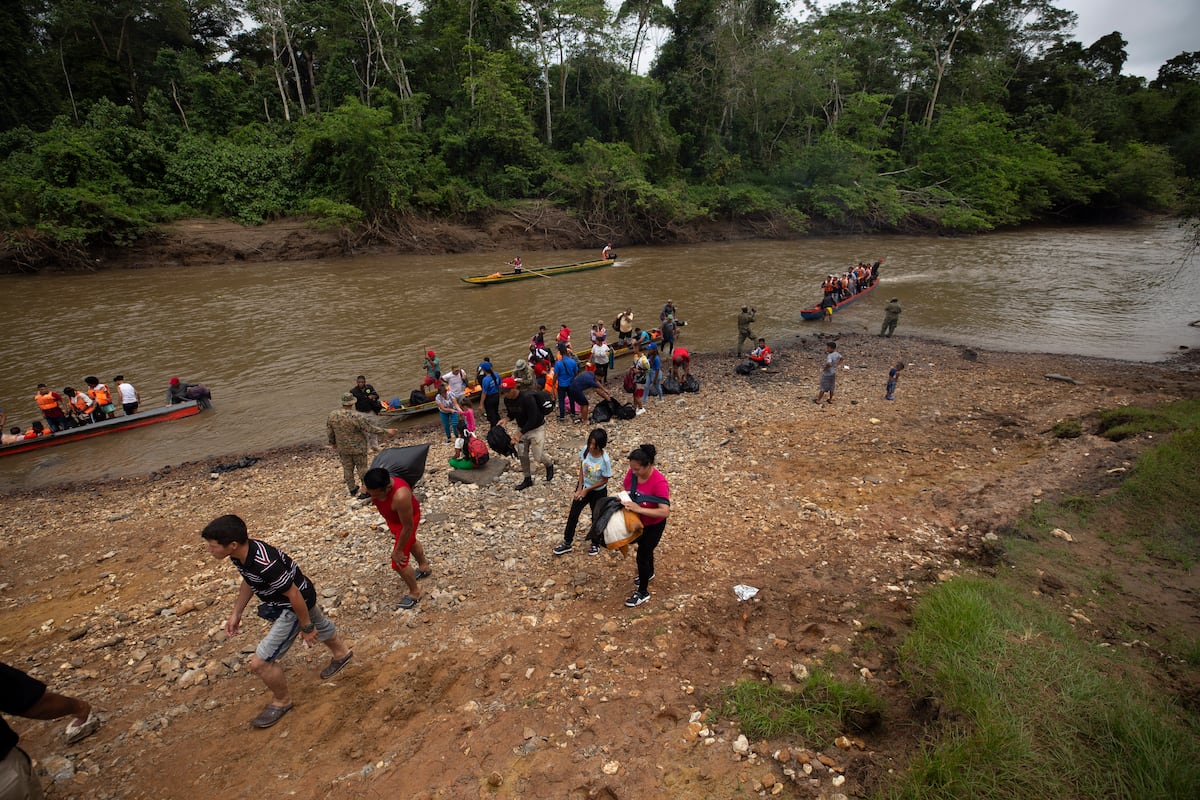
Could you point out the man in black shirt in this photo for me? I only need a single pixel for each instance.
(530, 439)
(366, 399)
(288, 599)
(28, 697)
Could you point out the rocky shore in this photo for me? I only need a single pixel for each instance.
(521, 674)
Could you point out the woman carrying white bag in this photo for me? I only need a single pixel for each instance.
(649, 496)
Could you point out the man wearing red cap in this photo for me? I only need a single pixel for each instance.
(433, 371)
(530, 438)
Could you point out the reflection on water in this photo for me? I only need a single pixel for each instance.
(279, 342)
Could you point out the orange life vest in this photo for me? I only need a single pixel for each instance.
(81, 402)
(100, 394)
(46, 402)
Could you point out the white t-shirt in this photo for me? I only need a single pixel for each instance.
(456, 384)
(128, 393)
(600, 353)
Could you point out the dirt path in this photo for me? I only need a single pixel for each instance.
(522, 675)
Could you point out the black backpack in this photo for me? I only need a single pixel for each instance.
(544, 400)
(499, 440)
(417, 397)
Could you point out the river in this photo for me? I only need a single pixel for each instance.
(279, 342)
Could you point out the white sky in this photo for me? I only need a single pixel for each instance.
(1155, 30)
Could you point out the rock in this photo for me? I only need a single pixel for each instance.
(611, 767)
(741, 745)
(493, 469)
(1054, 376)
(1061, 534)
(58, 768)
(799, 673)
(495, 779)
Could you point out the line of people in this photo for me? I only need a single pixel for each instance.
(72, 408)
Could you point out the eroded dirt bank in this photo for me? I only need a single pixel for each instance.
(522, 675)
(533, 226)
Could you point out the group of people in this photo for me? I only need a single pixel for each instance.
(72, 408)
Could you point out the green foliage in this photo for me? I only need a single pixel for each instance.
(248, 177)
(1067, 429)
(815, 712)
(1031, 711)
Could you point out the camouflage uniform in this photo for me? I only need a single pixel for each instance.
(348, 432)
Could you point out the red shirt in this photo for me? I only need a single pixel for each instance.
(389, 513)
(656, 485)
(680, 354)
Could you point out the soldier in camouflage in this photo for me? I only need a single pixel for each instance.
(348, 432)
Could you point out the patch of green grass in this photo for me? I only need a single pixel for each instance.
(816, 712)
(1029, 710)
(1121, 423)
(1067, 429)
(1161, 497)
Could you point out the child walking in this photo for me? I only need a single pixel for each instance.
(893, 376)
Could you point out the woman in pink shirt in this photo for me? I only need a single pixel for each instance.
(650, 498)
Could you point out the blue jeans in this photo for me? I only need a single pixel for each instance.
(654, 383)
(449, 422)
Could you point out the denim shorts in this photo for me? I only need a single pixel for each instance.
(285, 630)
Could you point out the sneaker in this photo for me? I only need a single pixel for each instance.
(636, 599)
(593, 550)
(639, 412)
(562, 548)
(635, 580)
(549, 472)
(362, 496)
(354, 491)
(525, 484)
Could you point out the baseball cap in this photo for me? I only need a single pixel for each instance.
(508, 383)
(347, 399)
(652, 346)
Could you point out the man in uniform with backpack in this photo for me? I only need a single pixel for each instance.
(530, 439)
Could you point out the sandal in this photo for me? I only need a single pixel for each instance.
(424, 573)
(77, 733)
(335, 665)
(270, 715)
(409, 601)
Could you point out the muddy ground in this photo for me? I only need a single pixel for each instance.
(523, 675)
(528, 226)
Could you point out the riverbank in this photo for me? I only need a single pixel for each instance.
(523, 675)
(527, 227)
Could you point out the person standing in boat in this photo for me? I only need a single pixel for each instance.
(518, 266)
(130, 399)
(891, 316)
(607, 252)
(103, 397)
(624, 325)
(53, 407)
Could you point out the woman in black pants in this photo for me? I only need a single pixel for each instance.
(595, 468)
(650, 497)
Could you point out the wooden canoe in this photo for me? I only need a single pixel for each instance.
(473, 389)
(818, 312)
(544, 272)
(115, 425)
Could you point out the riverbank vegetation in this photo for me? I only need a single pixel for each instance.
(1030, 705)
(871, 115)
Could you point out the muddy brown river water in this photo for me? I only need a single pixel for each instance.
(279, 342)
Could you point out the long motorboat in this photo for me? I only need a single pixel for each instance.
(818, 312)
(473, 390)
(531, 272)
(114, 425)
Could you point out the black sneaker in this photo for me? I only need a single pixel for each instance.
(363, 496)
(525, 484)
(593, 550)
(636, 581)
(549, 472)
(636, 599)
(562, 548)
(354, 491)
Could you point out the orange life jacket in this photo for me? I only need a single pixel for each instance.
(46, 402)
(81, 402)
(100, 394)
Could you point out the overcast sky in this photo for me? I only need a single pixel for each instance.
(1156, 30)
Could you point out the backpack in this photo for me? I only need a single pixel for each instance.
(544, 400)
(417, 397)
(500, 442)
(630, 380)
(605, 410)
(745, 368)
(477, 451)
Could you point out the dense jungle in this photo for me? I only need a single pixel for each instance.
(365, 118)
